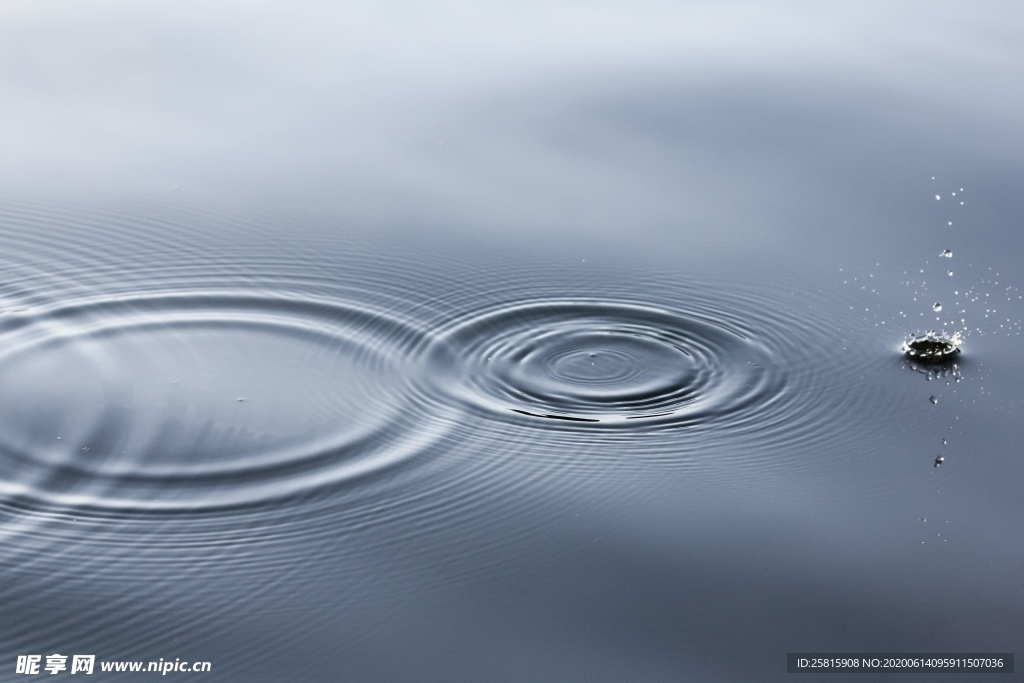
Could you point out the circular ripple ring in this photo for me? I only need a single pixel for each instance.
(140, 420)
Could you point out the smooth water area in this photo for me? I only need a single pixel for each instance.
(425, 343)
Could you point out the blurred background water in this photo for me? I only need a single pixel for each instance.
(463, 341)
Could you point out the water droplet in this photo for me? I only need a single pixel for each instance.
(949, 224)
(241, 399)
(939, 460)
(961, 202)
(937, 307)
(945, 441)
(933, 400)
(938, 197)
(946, 253)
(949, 273)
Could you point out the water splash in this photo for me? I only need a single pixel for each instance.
(932, 345)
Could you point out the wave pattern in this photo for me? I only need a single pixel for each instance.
(198, 400)
(200, 408)
(682, 371)
(276, 392)
(605, 363)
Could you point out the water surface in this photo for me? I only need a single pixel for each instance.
(410, 343)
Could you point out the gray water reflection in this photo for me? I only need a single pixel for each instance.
(289, 293)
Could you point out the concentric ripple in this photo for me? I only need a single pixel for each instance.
(606, 363)
(200, 400)
(693, 374)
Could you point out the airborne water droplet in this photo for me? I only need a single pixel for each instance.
(937, 307)
(938, 197)
(946, 253)
(939, 460)
(933, 400)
